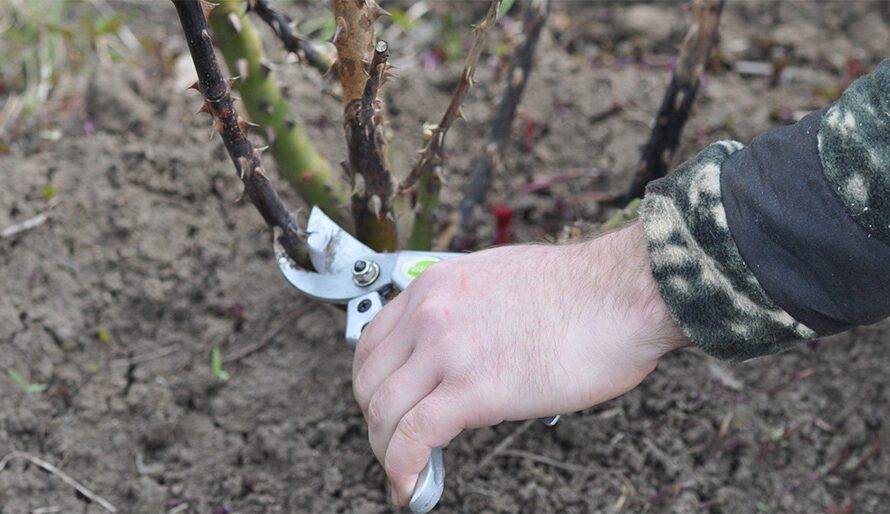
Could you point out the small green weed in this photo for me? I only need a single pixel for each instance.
(24, 385)
(216, 365)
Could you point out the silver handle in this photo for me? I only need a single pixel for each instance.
(430, 484)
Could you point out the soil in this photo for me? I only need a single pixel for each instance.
(147, 264)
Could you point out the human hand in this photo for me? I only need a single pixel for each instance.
(507, 334)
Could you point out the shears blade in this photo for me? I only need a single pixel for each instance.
(333, 252)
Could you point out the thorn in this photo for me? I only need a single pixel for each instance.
(244, 125)
(243, 167)
(196, 86)
(205, 107)
(261, 149)
(340, 31)
(207, 8)
(460, 113)
(206, 35)
(258, 172)
(375, 205)
(265, 68)
(235, 22)
(235, 98)
(241, 65)
(358, 188)
(231, 82)
(517, 78)
(375, 11)
(217, 127)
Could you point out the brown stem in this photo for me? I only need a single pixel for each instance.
(354, 40)
(363, 68)
(435, 148)
(218, 102)
(483, 167)
(306, 50)
(427, 173)
(679, 97)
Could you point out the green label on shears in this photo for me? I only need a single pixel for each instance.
(418, 267)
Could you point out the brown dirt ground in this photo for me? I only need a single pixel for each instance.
(147, 246)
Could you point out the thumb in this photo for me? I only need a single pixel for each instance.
(432, 423)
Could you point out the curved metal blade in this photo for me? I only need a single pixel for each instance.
(332, 249)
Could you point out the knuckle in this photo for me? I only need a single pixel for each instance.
(417, 423)
(363, 348)
(430, 313)
(361, 388)
(377, 407)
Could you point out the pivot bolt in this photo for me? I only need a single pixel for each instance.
(365, 272)
(364, 305)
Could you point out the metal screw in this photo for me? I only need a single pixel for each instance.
(365, 272)
(364, 305)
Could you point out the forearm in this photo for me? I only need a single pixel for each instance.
(757, 248)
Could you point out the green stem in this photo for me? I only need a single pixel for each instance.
(298, 161)
(427, 197)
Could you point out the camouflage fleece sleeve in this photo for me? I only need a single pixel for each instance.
(756, 248)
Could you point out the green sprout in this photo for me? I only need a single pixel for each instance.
(24, 385)
(49, 192)
(216, 365)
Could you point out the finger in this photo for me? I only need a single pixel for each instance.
(389, 355)
(397, 395)
(433, 422)
(377, 331)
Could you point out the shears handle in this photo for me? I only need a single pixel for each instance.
(431, 481)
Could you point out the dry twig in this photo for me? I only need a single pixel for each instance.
(64, 477)
(427, 173)
(218, 103)
(503, 445)
(483, 167)
(281, 24)
(28, 224)
(679, 97)
(522, 454)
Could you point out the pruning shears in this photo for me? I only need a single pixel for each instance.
(348, 272)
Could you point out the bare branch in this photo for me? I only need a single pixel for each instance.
(218, 102)
(363, 68)
(483, 167)
(305, 50)
(427, 173)
(434, 149)
(679, 97)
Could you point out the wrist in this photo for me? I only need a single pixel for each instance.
(627, 276)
